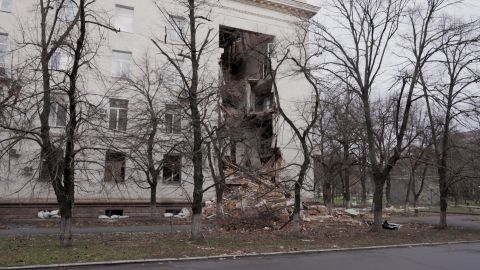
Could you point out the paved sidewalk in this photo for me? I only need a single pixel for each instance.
(455, 220)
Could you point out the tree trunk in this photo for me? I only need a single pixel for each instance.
(388, 192)
(415, 204)
(363, 182)
(196, 227)
(327, 196)
(66, 237)
(153, 200)
(378, 205)
(296, 224)
(443, 200)
(296, 210)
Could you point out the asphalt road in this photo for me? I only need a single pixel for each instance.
(458, 257)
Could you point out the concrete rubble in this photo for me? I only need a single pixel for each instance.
(256, 203)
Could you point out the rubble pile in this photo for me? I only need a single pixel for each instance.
(252, 203)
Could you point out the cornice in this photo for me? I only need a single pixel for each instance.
(293, 7)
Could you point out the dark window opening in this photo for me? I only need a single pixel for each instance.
(172, 168)
(114, 212)
(115, 166)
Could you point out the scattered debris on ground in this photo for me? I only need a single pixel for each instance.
(255, 203)
(184, 213)
(112, 217)
(391, 226)
(45, 214)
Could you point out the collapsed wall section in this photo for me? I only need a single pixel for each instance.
(247, 98)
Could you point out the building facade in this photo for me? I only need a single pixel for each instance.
(108, 177)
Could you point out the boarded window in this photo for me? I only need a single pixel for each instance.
(115, 163)
(173, 120)
(118, 114)
(172, 168)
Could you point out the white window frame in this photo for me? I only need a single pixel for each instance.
(6, 5)
(117, 110)
(124, 18)
(61, 60)
(53, 120)
(121, 64)
(68, 10)
(174, 125)
(175, 26)
(4, 48)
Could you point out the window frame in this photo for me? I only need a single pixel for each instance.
(6, 7)
(118, 15)
(174, 29)
(5, 43)
(122, 72)
(172, 120)
(53, 116)
(173, 167)
(118, 110)
(111, 157)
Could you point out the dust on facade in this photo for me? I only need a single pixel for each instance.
(108, 179)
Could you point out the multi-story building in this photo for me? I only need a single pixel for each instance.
(244, 30)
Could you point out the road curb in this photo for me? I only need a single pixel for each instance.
(233, 257)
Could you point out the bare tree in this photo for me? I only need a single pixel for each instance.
(368, 28)
(61, 30)
(449, 99)
(194, 37)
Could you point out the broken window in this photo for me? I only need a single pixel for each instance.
(175, 29)
(172, 167)
(115, 163)
(58, 114)
(121, 62)
(173, 120)
(124, 18)
(118, 114)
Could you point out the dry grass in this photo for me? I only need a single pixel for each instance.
(21, 251)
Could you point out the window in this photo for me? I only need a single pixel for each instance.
(6, 5)
(115, 166)
(175, 29)
(124, 18)
(121, 63)
(58, 115)
(118, 114)
(3, 54)
(68, 10)
(172, 168)
(173, 120)
(61, 60)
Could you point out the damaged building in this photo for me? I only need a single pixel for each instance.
(108, 182)
(247, 98)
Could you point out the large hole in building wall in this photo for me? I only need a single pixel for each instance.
(247, 97)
